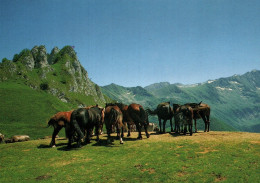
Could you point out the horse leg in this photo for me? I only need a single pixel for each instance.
(171, 125)
(190, 127)
(160, 125)
(122, 135)
(175, 125)
(97, 131)
(129, 129)
(207, 116)
(185, 129)
(195, 122)
(205, 122)
(117, 132)
(54, 134)
(89, 132)
(164, 123)
(139, 131)
(146, 130)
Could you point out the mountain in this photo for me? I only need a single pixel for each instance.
(234, 101)
(58, 73)
(34, 85)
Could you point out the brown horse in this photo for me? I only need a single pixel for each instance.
(138, 115)
(201, 110)
(164, 112)
(58, 121)
(126, 117)
(113, 118)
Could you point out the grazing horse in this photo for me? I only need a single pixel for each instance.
(201, 110)
(138, 115)
(164, 112)
(58, 121)
(84, 120)
(183, 115)
(113, 118)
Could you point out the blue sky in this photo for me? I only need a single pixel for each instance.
(140, 42)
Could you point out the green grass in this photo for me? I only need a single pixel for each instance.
(26, 111)
(204, 157)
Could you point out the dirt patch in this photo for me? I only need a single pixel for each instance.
(25, 150)
(181, 173)
(255, 142)
(206, 150)
(149, 170)
(43, 177)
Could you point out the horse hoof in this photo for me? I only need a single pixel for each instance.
(122, 142)
(53, 146)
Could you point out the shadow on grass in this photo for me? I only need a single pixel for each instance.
(174, 134)
(42, 146)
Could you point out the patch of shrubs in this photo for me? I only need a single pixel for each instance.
(44, 86)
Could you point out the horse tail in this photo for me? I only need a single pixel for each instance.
(116, 117)
(75, 124)
(150, 112)
(143, 115)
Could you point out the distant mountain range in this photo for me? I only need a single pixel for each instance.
(234, 101)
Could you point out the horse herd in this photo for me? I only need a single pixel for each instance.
(80, 123)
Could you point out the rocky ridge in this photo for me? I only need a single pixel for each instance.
(59, 73)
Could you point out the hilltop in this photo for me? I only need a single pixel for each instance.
(235, 100)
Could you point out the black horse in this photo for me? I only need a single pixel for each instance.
(164, 112)
(83, 122)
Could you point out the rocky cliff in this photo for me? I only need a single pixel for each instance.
(59, 73)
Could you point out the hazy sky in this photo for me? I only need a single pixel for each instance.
(140, 42)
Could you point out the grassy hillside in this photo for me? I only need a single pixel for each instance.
(203, 157)
(26, 111)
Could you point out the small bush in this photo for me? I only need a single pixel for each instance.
(44, 86)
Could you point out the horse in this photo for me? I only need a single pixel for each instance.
(82, 121)
(183, 115)
(164, 112)
(201, 110)
(58, 121)
(113, 118)
(126, 118)
(139, 116)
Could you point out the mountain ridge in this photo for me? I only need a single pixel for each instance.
(234, 100)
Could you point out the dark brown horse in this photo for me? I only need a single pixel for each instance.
(201, 110)
(183, 115)
(113, 118)
(164, 112)
(83, 121)
(138, 115)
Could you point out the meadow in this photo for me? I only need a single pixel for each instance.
(203, 157)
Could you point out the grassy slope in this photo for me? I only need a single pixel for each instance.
(204, 157)
(26, 111)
